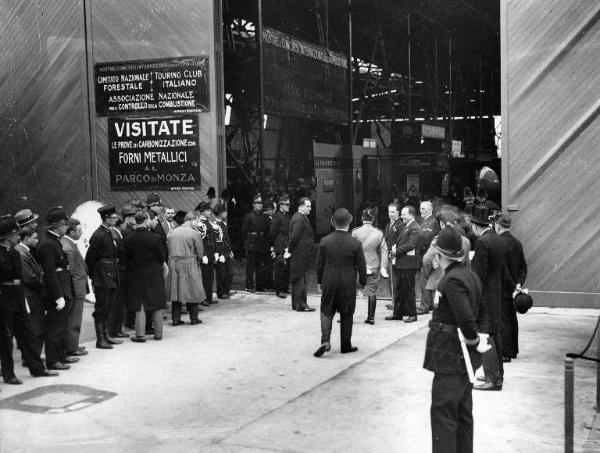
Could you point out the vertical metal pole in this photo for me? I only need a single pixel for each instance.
(569, 404)
(409, 69)
(327, 23)
(598, 374)
(261, 107)
(351, 107)
(451, 114)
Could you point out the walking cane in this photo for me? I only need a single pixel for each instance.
(467, 357)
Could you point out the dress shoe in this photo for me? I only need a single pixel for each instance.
(138, 339)
(370, 321)
(393, 318)
(120, 335)
(322, 349)
(77, 352)
(281, 295)
(421, 311)
(13, 381)
(352, 349)
(58, 366)
(307, 308)
(506, 359)
(70, 360)
(178, 323)
(81, 348)
(204, 304)
(251, 290)
(488, 386)
(157, 338)
(410, 319)
(46, 373)
(193, 322)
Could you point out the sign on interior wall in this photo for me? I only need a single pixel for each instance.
(154, 153)
(166, 84)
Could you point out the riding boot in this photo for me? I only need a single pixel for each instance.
(371, 310)
(176, 313)
(101, 342)
(193, 309)
(107, 337)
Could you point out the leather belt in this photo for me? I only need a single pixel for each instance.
(442, 327)
(13, 282)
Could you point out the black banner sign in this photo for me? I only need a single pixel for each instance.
(167, 84)
(154, 153)
(304, 80)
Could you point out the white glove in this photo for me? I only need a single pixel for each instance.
(483, 345)
(369, 271)
(60, 303)
(273, 254)
(222, 259)
(286, 254)
(231, 255)
(394, 249)
(384, 272)
(393, 261)
(216, 257)
(205, 259)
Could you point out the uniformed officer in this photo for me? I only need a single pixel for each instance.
(211, 232)
(459, 307)
(57, 289)
(279, 234)
(14, 319)
(371, 239)
(223, 266)
(102, 261)
(254, 228)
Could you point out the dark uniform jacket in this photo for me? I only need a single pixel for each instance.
(102, 258)
(210, 234)
(55, 264)
(430, 227)
(340, 258)
(489, 264)
(256, 230)
(224, 247)
(301, 245)
(11, 291)
(280, 231)
(407, 253)
(460, 305)
(516, 266)
(145, 256)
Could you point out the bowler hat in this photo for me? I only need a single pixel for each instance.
(105, 211)
(449, 244)
(8, 226)
(203, 206)
(25, 217)
(523, 302)
(211, 193)
(57, 216)
(341, 218)
(153, 199)
(480, 215)
(504, 220)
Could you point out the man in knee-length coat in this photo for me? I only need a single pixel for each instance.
(302, 248)
(339, 259)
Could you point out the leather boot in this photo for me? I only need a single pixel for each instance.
(176, 313)
(371, 310)
(193, 309)
(101, 342)
(107, 337)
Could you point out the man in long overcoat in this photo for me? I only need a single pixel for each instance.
(184, 283)
(255, 228)
(514, 278)
(340, 259)
(280, 236)
(489, 264)
(301, 247)
(146, 263)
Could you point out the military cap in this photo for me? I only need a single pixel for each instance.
(203, 206)
(341, 218)
(105, 211)
(25, 217)
(8, 226)
(284, 199)
(57, 216)
(449, 244)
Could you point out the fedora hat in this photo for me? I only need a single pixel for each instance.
(57, 216)
(8, 226)
(25, 217)
(341, 218)
(449, 244)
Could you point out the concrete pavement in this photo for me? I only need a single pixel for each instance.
(246, 381)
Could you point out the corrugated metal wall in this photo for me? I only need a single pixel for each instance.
(550, 134)
(46, 154)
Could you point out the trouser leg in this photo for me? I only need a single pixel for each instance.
(445, 396)
(157, 318)
(116, 315)
(104, 301)
(464, 431)
(176, 312)
(28, 343)
(56, 323)
(208, 275)
(140, 322)
(228, 275)
(193, 310)
(346, 331)
(299, 293)
(220, 277)
(490, 363)
(407, 282)
(251, 258)
(326, 326)
(73, 328)
(6, 347)
(426, 295)
(398, 294)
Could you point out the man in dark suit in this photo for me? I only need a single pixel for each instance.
(79, 277)
(390, 235)
(255, 228)
(514, 279)
(14, 319)
(430, 227)
(58, 288)
(340, 258)
(102, 263)
(280, 236)
(459, 307)
(405, 263)
(489, 265)
(301, 247)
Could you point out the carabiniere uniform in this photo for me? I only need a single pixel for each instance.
(224, 264)
(210, 232)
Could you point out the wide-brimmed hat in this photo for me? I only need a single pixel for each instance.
(449, 244)
(481, 215)
(57, 216)
(8, 226)
(25, 217)
(341, 218)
